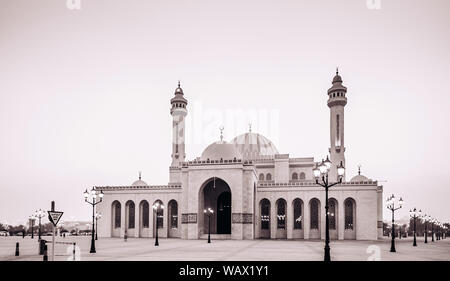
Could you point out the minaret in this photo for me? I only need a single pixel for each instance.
(178, 112)
(336, 102)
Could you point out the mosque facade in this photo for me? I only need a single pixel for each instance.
(253, 191)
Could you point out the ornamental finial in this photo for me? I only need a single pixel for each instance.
(221, 133)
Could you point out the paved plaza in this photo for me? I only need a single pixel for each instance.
(115, 249)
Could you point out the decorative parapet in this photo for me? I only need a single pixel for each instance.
(216, 162)
(301, 160)
(310, 183)
(142, 187)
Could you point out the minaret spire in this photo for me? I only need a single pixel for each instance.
(140, 173)
(178, 111)
(336, 102)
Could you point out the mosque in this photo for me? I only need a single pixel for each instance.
(252, 190)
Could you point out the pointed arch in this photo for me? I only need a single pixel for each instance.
(261, 177)
(314, 213)
(349, 218)
(144, 218)
(264, 207)
(129, 215)
(116, 222)
(297, 206)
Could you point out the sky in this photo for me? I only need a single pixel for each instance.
(85, 93)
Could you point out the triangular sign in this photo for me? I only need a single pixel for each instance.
(54, 216)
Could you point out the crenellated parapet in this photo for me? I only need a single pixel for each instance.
(143, 187)
(313, 184)
(216, 162)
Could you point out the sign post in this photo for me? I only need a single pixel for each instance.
(54, 217)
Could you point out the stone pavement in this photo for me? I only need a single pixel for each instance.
(143, 249)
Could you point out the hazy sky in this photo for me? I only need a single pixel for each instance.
(84, 94)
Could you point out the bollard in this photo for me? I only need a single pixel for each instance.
(73, 250)
(17, 249)
(45, 254)
(41, 246)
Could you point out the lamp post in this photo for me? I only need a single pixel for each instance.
(39, 214)
(209, 213)
(93, 201)
(32, 220)
(425, 220)
(432, 229)
(438, 230)
(156, 207)
(321, 172)
(414, 214)
(391, 206)
(97, 217)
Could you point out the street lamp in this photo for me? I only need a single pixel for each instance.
(93, 196)
(433, 221)
(414, 214)
(321, 172)
(209, 213)
(438, 229)
(425, 220)
(32, 220)
(391, 206)
(39, 214)
(156, 207)
(97, 217)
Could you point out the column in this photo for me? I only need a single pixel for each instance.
(122, 219)
(322, 213)
(137, 219)
(341, 220)
(306, 219)
(289, 219)
(273, 220)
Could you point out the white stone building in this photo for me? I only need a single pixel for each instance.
(254, 191)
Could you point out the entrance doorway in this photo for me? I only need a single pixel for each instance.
(215, 194)
(224, 213)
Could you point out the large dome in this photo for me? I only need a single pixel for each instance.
(139, 183)
(221, 150)
(254, 146)
(359, 178)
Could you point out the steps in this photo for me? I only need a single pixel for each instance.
(216, 236)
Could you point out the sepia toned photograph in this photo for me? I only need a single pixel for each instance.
(224, 139)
